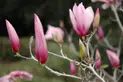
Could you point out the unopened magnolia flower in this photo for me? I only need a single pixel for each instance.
(40, 42)
(72, 68)
(15, 75)
(113, 58)
(100, 33)
(96, 19)
(81, 18)
(54, 32)
(15, 42)
(83, 52)
(98, 59)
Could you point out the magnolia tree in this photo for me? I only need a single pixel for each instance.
(82, 19)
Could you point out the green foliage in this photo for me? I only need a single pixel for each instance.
(104, 66)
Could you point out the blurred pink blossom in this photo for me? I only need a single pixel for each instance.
(72, 68)
(81, 18)
(100, 33)
(98, 59)
(54, 32)
(107, 3)
(113, 58)
(40, 42)
(15, 75)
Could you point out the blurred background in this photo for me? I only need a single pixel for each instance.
(20, 13)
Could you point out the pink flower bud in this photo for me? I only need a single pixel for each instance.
(113, 58)
(54, 32)
(96, 19)
(40, 42)
(100, 33)
(72, 68)
(98, 59)
(81, 18)
(15, 42)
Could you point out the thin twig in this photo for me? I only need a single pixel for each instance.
(61, 74)
(61, 51)
(108, 75)
(117, 17)
(115, 75)
(66, 58)
(24, 57)
(30, 48)
(120, 75)
(78, 63)
(95, 73)
(119, 46)
(88, 42)
(109, 45)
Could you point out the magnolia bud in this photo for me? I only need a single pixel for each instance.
(72, 68)
(98, 59)
(100, 33)
(15, 42)
(113, 58)
(82, 49)
(40, 42)
(96, 19)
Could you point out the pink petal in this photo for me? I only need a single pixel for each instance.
(13, 37)
(105, 6)
(50, 32)
(75, 10)
(15, 74)
(6, 78)
(80, 16)
(72, 68)
(26, 75)
(53, 31)
(73, 21)
(40, 42)
(88, 18)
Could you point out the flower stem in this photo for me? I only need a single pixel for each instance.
(117, 17)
